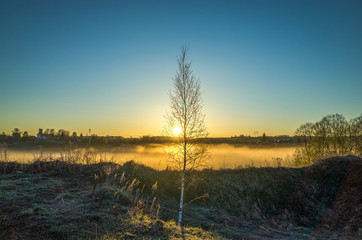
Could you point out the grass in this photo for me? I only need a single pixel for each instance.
(59, 200)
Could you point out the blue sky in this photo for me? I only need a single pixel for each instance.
(265, 66)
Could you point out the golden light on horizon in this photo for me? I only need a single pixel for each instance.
(177, 130)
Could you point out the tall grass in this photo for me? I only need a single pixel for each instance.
(4, 156)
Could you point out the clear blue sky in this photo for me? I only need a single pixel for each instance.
(264, 66)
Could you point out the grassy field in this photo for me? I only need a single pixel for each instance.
(58, 200)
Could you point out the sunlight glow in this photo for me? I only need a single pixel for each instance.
(177, 130)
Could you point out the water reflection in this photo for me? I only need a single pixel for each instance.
(155, 155)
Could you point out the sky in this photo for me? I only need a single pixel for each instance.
(264, 66)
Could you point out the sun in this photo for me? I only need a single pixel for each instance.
(177, 130)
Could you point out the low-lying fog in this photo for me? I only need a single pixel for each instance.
(154, 155)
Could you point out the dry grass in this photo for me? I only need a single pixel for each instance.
(60, 200)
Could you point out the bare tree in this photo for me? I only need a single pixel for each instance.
(355, 135)
(25, 134)
(306, 131)
(16, 131)
(187, 120)
(333, 135)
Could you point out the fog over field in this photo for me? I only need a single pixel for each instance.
(155, 155)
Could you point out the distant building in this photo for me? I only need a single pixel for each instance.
(3, 137)
(17, 136)
(31, 138)
(42, 136)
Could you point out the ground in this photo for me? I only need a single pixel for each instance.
(57, 200)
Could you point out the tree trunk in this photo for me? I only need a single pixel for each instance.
(181, 199)
(182, 187)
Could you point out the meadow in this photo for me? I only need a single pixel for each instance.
(65, 200)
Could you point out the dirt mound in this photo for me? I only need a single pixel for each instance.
(345, 212)
(326, 203)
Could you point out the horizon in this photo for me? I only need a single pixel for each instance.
(86, 134)
(264, 66)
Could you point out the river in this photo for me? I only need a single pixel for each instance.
(155, 155)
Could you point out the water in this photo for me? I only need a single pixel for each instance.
(155, 155)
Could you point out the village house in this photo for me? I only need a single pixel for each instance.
(42, 136)
(3, 137)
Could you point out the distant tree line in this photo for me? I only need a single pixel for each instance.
(65, 135)
(307, 138)
(18, 135)
(333, 135)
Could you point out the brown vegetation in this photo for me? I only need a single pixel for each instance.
(46, 200)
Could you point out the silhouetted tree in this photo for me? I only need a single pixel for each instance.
(16, 133)
(16, 130)
(355, 135)
(333, 135)
(306, 131)
(63, 134)
(187, 115)
(263, 138)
